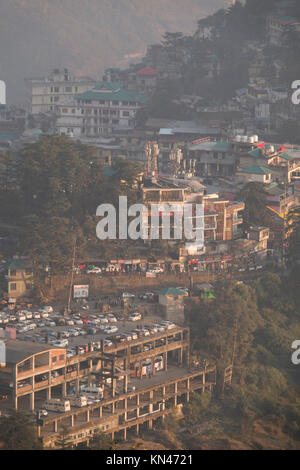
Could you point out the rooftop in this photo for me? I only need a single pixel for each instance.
(17, 351)
(111, 91)
(171, 291)
(211, 146)
(147, 71)
(257, 170)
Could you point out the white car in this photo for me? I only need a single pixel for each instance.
(127, 295)
(168, 325)
(61, 344)
(47, 309)
(112, 319)
(110, 329)
(156, 270)
(94, 270)
(135, 317)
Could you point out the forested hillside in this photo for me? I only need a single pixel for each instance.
(85, 35)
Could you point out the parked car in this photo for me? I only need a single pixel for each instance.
(110, 329)
(127, 295)
(156, 270)
(94, 270)
(61, 343)
(135, 316)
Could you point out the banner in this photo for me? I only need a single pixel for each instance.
(81, 292)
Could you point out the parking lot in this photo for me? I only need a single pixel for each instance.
(86, 324)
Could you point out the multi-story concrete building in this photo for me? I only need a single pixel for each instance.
(99, 111)
(43, 94)
(35, 373)
(213, 158)
(278, 27)
(19, 278)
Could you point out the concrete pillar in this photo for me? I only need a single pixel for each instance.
(55, 425)
(49, 393)
(125, 434)
(32, 401)
(72, 421)
(150, 424)
(166, 360)
(137, 429)
(64, 389)
(87, 416)
(125, 383)
(125, 413)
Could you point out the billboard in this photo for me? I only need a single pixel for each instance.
(81, 292)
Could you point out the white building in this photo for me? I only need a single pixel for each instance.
(99, 111)
(44, 93)
(2, 92)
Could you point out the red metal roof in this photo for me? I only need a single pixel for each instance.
(147, 71)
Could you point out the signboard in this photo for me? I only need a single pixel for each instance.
(81, 292)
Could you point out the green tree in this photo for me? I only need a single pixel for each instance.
(102, 441)
(18, 432)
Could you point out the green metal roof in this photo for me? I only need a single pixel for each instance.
(257, 170)
(116, 93)
(113, 86)
(285, 156)
(171, 291)
(18, 264)
(255, 153)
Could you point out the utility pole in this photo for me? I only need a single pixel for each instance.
(72, 276)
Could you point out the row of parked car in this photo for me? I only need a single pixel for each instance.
(146, 330)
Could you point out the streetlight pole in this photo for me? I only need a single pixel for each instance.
(72, 276)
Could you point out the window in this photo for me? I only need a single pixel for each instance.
(68, 89)
(13, 286)
(13, 272)
(56, 89)
(126, 113)
(65, 110)
(54, 359)
(61, 357)
(28, 272)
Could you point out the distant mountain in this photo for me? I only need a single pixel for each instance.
(85, 35)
